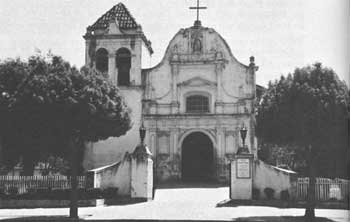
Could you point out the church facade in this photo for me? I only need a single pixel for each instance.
(193, 104)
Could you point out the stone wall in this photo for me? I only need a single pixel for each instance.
(265, 175)
(133, 176)
(114, 175)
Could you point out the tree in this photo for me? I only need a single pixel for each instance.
(308, 110)
(47, 106)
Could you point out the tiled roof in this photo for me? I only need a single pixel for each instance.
(118, 12)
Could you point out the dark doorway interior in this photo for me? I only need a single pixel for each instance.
(197, 158)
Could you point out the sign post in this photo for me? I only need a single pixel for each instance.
(241, 181)
(243, 168)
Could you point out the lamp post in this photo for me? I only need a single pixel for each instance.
(243, 132)
(142, 133)
(243, 149)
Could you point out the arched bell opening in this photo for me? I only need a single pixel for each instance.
(123, 61)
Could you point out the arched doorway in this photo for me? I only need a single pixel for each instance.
(197, 157)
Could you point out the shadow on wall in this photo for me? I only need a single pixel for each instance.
(277, 179)
(113, 175)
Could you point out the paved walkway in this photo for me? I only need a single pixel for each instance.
(178, 202)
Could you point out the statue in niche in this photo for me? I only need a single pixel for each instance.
(197, 45)
(175, 49)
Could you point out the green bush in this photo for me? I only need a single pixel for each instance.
(269, 192)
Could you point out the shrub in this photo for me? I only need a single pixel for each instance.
(12, 191)
(82, 195)
(256, 194)
(110, 192)
(24, 196)
(31, 190)
(2, 191)
(269, 192)
(64, 194)
(42, 193)
(285, 195)
(94, 193)
(59, 194)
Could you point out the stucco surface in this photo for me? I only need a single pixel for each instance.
(197, 61)
(268, 176)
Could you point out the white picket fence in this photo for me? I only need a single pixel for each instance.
(26, 182)
(326, 189)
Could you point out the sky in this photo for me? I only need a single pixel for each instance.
(281, 34)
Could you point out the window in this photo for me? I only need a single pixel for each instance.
(102, 60)
(123, 64)
(197, 104)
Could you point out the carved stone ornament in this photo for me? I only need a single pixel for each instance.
(197, 45)
(196, 41)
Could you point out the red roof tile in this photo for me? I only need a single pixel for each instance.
(120, 13)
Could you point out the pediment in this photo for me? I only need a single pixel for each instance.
(114, 28)
(197, 81)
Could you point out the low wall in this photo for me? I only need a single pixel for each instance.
(133, 176)
(7, 204)
(265, 175)
(115, 175)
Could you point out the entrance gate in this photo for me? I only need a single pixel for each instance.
(197, 158)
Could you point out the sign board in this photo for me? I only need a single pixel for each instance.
(243, 168)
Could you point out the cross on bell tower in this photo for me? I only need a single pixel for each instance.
(198, 22)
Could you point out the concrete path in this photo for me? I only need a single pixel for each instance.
(178, 202)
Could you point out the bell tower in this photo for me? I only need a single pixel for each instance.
(115, 44)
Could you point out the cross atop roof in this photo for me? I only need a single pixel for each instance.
(197, 22)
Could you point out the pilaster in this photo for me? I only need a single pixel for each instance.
(219, 105)
(152, 141)
(174, 140)
(218, 71)
(219, 151)
(174, 80)
(112, 67)
(252, 75)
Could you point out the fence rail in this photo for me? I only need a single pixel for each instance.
(23, 183)
(325, 189)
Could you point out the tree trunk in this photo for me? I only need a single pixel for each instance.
(310, 205)
(73, 210)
